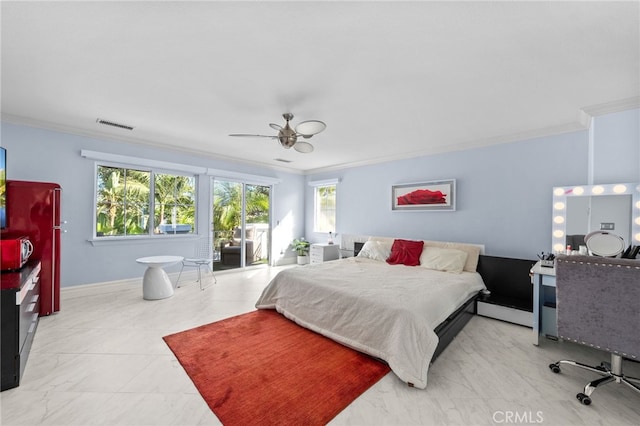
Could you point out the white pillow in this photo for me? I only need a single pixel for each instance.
(443, 259)
(473, 252)
(376, 250)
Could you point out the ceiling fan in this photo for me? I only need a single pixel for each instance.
(288, 137)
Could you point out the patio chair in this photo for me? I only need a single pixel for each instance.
(203, 257)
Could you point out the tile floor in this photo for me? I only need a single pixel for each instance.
(102, 361)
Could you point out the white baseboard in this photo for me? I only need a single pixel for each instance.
(189, 274)
(504, 313)
(118, 285)
(286, 261)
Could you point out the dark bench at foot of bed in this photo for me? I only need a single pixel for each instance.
(509, 282)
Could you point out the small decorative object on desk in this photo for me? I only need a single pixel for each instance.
(330, 239)
(547, 260)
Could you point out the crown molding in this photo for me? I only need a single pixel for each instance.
(477, 143)
(46, 125)
(583, 122)
(611, 107)
(585, 115)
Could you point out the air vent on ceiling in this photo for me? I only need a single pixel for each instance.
(282, 160)
(111, 123)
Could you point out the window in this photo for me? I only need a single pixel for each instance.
(325, 208)
(174, 204)
(124, 203)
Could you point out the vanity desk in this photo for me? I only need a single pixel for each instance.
(581, 213)
(543, 280)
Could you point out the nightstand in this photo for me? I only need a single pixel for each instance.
(324, 252)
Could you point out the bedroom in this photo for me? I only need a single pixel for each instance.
(504, 198)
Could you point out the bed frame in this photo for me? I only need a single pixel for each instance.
(449, 328)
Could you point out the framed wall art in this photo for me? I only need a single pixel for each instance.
(437, 195)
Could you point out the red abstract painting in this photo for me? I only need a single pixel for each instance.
(422, 196)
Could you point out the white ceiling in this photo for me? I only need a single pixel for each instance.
(391, 79)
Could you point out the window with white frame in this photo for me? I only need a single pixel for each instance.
(324, 208)
(174, 203)
(137, 202)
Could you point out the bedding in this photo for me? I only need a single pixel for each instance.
(405, 252)
(387, 311)
(376, 250)
(472, 250)
(443, 259)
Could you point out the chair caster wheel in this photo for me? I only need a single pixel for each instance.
(555, 368)
(584, 399)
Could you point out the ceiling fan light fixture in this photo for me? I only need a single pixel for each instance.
(303, 147)
(310, 127)
(286, 143)
(288, 137)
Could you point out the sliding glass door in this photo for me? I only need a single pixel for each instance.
(241, 226)
(257, 223)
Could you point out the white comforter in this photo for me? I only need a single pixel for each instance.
(386, 311)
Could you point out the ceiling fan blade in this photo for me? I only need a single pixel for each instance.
(245, 135)
(310, 127)
(275, 126)
(303, 147)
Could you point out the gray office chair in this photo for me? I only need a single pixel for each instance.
(597, 301)
(203, 258)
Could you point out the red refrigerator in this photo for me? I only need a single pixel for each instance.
(33, 210)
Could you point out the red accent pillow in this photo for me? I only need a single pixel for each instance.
(405, 252)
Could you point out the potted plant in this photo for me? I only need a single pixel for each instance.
(301, 247)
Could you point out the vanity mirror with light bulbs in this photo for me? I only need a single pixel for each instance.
(578, 211)
(582, 209)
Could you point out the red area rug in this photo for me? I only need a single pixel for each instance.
(261, 368)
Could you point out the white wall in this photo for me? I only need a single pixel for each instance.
(51, 156)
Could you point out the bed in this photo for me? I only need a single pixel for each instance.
(396, 313)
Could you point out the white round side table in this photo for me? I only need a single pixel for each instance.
(156, 283)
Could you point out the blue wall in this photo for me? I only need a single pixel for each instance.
(504, 191)
(503, 200)
(617, 147)
(50, 156)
